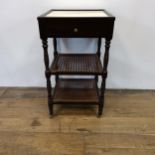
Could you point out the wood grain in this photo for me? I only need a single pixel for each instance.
(28, 143)
(111, 140)
(126, 127)
(2, 91)
(25, 93)
(91, 125)
(118, 151)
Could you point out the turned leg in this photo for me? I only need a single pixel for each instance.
(48, 75)
(104, 76)
(101, 103)
(99, 46)
(98, 53)
(49, 90)
(55, 53)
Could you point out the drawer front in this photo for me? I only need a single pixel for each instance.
(76, 28)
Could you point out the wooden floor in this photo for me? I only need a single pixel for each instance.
(126, 128)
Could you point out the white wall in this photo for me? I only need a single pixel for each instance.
(132, 57)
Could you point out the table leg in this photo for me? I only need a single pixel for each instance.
(55, 54)
(104, 76)
(48, 76)
(98, 53)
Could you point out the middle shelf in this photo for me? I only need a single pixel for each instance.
(83, 64)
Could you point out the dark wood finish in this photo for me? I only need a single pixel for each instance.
(99, 47)
(72, 91)
(104, 76)
(55, 53)
(47, 74)
(97, 27)
(98, 52)
(46, 57)
(55, 46)
(106, 55)
(77, 64)
(85, 26)
(69, 90)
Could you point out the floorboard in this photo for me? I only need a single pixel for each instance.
(127, 126)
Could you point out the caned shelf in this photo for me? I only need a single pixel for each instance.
(76, 91)
(83, 64)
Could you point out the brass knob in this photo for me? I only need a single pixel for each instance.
(76, 30)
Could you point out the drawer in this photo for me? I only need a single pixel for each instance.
(76, 27)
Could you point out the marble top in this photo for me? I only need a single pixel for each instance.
(77, 14)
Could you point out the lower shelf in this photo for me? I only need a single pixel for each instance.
(76, 91)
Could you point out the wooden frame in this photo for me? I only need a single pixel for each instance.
(77, 64)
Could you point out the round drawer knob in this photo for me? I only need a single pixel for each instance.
(75, 29)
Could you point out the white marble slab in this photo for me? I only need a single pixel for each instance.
(77, 14)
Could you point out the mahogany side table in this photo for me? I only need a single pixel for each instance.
(76, 24)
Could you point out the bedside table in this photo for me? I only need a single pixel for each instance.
(76, 24)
